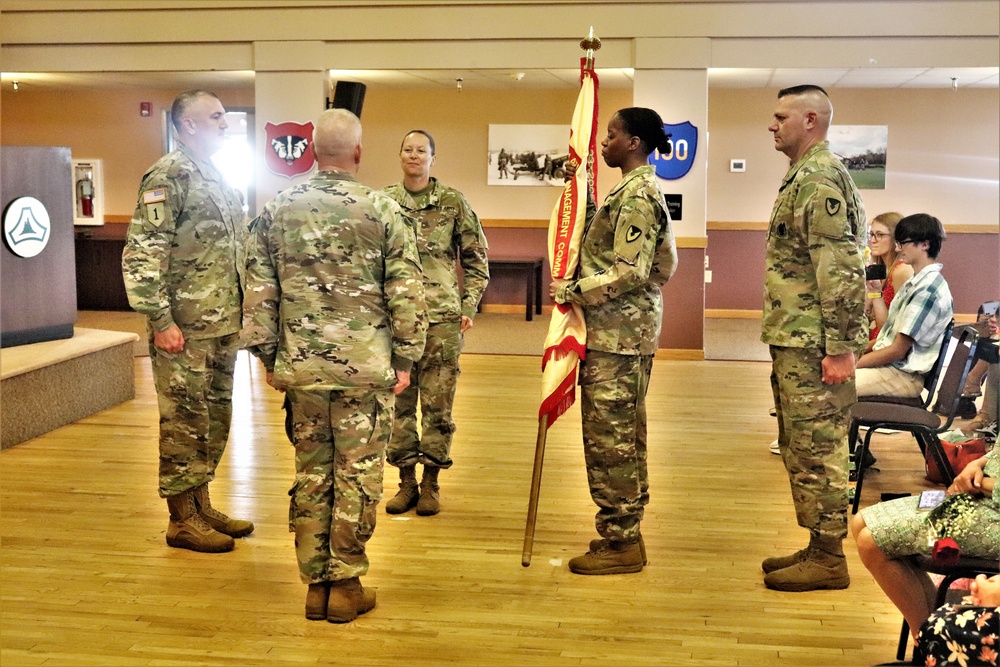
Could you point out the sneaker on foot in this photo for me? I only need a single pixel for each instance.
(988, 430)
(869, 461)
(775, 449)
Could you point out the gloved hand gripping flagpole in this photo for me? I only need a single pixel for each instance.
(590, 44)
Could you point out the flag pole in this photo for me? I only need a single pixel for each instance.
(536, 486)
(590, 44)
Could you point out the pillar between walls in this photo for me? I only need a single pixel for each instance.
(680, 95)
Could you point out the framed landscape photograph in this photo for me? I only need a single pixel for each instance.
(863, 148)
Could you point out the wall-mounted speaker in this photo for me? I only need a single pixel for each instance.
(349, 95)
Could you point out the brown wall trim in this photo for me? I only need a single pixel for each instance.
(762, 226)
(513, 308)
(736, 226)
(515, 224)
(682, 241)
(724, 313)
(679, 355)
(730, 314)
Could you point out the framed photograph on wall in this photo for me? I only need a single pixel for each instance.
(863, 148)
(527, 155)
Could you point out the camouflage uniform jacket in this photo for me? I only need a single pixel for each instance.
(627, 252)
(184, 258)
(814, 284)
(334, 299)
(447, 228)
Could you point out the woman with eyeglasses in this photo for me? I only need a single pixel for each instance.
(884, 252)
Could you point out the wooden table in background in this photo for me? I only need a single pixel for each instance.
(99, 282)
(532, 267)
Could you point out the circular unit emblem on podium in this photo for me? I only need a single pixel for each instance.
(26, 226)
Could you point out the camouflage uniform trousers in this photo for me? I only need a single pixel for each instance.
(433, 380)
(194, 389)
(613, 407)
(813, 421)
(340, 441)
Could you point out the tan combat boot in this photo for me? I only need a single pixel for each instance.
(216, 519)
(430, 493)
(599, 542)
(406, 498)
(775, 563)
(823, 567)
(348, 598)
(316, 600)
(609, 558)
(187, 530)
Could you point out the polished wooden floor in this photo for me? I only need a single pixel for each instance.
(88, 580)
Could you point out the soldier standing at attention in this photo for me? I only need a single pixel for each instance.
(335, 311)
(814, 323)
(447, 230)
(626, 254)
(183, 266)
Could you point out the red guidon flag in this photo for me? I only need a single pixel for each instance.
(566, 342)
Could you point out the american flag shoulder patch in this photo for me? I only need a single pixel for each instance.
(153, 196)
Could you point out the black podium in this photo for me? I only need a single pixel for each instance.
(37, 293)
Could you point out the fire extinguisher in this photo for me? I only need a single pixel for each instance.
(85, 191)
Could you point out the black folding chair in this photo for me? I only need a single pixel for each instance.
(930, 386)
(966, 568)
(930, 380)
(923, 423)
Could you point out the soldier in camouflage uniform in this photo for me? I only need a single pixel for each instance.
(183, 266)
(447, 230)
(335, 311)
(626, 254)
(814, 322)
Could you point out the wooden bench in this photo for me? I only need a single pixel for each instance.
(532, 268)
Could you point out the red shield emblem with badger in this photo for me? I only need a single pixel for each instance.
(287, 150)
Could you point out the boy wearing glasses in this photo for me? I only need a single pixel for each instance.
(909, 342)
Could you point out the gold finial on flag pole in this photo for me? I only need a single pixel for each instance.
(590, 44)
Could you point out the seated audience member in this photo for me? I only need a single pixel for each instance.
(882, 245)
(888, 533)
(985, 420)
(909, 342)
(967, 634)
